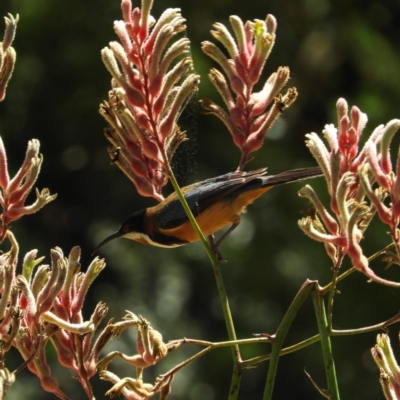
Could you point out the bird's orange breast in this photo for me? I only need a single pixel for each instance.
(223, 213)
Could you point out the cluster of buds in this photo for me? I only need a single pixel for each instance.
(388, 180)
(384, 358)
(151, 81)
(10, 312)
(13, 192)
(248, 117)
(151, 349)
(7, 54)
(47, 306)
(349, 175)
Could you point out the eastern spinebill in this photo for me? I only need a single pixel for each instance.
(215, 203)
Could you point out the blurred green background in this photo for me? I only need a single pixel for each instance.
(334, 49)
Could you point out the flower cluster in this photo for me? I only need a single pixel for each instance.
(44, 303)
(152, 81)
(387, 179)
(7, 54)
(349, 174)
(340, 165)
(47, 306)
(150, 348)
(248, 117)
(13, 192)
(384, 358)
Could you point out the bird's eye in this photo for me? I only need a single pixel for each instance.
(125, 228)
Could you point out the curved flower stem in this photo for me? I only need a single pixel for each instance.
(216, 345)
(365, 329)
(236, 374)
(351, 270)
(208, 347)
(280, 335)
(323, 327)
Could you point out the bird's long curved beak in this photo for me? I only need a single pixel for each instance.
(113, 236)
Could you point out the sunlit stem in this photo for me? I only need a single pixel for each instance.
(314, 339)
(280, 335)
(287, 350)
(332, 290)
(323, 327)
(236, 375)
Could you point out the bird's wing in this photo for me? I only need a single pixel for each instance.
(202, 196)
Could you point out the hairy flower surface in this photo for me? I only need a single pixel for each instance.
(46, 306)
(152, 81)
(249, 114)
(7, 54)
(13, 192)
(384, 358)
(349, 173)
(388, 180)
(151, 349)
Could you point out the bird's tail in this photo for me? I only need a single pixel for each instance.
(291, 176)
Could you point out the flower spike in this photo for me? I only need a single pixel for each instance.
(152, 81)
(350, 174)
(247, 118)
(7, 54)
(14, 192)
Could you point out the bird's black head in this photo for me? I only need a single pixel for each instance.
(132, 228)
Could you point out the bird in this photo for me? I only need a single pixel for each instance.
(215, 203)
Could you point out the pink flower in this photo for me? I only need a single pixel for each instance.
(349, 173)
(249, 114)
(7, 54)
(51, 310)
(152, 80)
(384, 358)
(15, 191)
(151, 349)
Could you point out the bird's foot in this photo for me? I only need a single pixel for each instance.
(214, 248)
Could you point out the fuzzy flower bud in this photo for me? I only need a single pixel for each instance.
(389, 131)
(15, 191)
(7, 54)
(151, 85)
(350, 174)
(247, 118)
(383, 356)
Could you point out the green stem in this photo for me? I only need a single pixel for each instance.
(216, 345)
(281, 334)
(339, 278)
(190, 215)
(236, 374)
(366, 329)
(332, 289)
(332, 295)
(305, 343)
(287, 350)
(327, 354)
